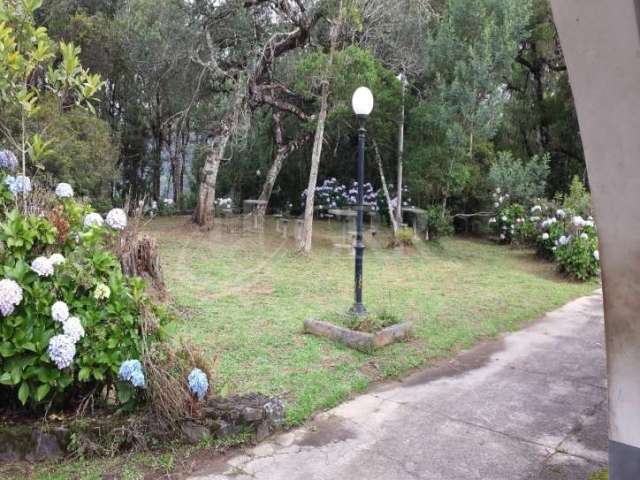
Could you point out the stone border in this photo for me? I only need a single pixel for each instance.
(362, 341)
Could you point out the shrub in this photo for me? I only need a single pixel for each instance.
(578, 200)
(523, 180)
(577, 250)
(570, 240)
(331, 194)
(439, 222)
(404, 236)
(78, 273)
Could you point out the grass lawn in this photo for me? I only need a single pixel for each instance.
(246, 297)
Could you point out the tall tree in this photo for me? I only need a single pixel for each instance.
(540, 116)
(243, 70)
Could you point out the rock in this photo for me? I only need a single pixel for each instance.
(250, 414)
(255, 412)
(194, 432)
(263, 431)
(47, 446)
(18, 443)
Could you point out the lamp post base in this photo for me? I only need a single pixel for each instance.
(359, 310)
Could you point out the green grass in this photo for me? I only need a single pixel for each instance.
(601, 475)
(247, 296)
(244, 299)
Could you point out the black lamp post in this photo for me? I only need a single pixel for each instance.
(362, 103)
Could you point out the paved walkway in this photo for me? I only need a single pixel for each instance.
(529, 406)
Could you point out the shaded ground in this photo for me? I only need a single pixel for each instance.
(246, 295)
(530, 406)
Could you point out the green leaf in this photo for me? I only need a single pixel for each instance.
(84, 374)
(6, 379)
(6, 349)
(23, 393)
(42, 391)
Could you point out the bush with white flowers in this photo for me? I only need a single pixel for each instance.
(557, 232)
(64, 190)
(69, 317)
(331, 194)
(117, 219)
(93, 220)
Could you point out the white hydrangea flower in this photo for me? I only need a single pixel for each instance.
(588, 223)
(93, 220)
(560, 213)
(64, 190)
(117, 219)
(61, 350)
(56, 259)
(498, 190)
(10, 296)
(496, 204)
(584, 236)
(492, 220)
(73, 328)
(102, 292)
(578, 221)
(545, 236)
(42, 266)
(504, 218)
(563, 240)
(502, 236)
(60, 311)
(596, 255)
(536, 208)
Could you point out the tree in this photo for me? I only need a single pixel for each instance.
(468, 56)
(31, 64)
(349, 67)
(243, 79)
(84, 153)
(540, 116)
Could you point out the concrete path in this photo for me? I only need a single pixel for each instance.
(529, 406)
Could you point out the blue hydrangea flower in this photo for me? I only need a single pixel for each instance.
(198, 383)
(131, 371)
(8, 161)
(137, 379)
(18, 184)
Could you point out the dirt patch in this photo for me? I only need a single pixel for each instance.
(326, 430)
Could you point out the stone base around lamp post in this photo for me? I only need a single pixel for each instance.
(361, 341)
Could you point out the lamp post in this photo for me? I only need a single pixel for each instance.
(362, 103)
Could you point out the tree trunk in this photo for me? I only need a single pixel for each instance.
(272, 175)
(280, 153)
(394, 222)
(307, 228)
(277, 157)
(400, 160)
(177, 165)
(203, 214)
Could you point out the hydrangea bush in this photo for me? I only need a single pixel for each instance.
(556, 231)
(331, 194)
(69, 316)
